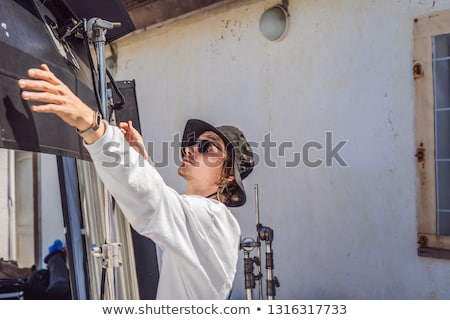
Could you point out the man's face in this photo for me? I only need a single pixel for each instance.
(204, 159)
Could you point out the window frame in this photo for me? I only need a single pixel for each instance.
(430, 243)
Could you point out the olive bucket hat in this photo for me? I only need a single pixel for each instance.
(238, 149)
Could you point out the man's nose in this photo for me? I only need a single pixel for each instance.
(189, 149)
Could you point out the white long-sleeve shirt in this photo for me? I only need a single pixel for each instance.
(198, 237)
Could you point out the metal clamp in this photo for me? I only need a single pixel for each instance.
(109, 253)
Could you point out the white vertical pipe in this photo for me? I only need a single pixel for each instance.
(12, 205)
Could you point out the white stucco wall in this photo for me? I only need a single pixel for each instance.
(24, 209)
(4, 213)
(52, 224)
(18, 245)
(344, 67)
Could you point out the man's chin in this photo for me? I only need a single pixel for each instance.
(181, 170)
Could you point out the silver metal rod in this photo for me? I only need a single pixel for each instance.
(248, 291)
(108, 210)
(258, 249)
(102, 78)
(97, 29)
(269, 274)
(256, 204)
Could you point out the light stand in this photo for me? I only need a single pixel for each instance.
(264, 233)
(108, 252)
(247, 245)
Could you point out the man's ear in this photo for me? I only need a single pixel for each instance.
(230, 178)
(226, 180)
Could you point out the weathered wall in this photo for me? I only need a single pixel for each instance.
(342, 230)
(4, 213)
(342, 74)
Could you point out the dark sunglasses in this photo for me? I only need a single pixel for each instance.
(203, 145)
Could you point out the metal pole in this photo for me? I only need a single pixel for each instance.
(258, 249)
(97, 29)
(248, 274)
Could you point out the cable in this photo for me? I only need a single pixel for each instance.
(102, 284)
(120, 104)
(92, 67)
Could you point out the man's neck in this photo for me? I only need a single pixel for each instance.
(204, 191)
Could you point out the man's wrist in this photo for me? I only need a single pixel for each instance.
(94, 136)
(94, 125)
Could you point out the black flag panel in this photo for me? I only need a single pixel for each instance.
(32, 33)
